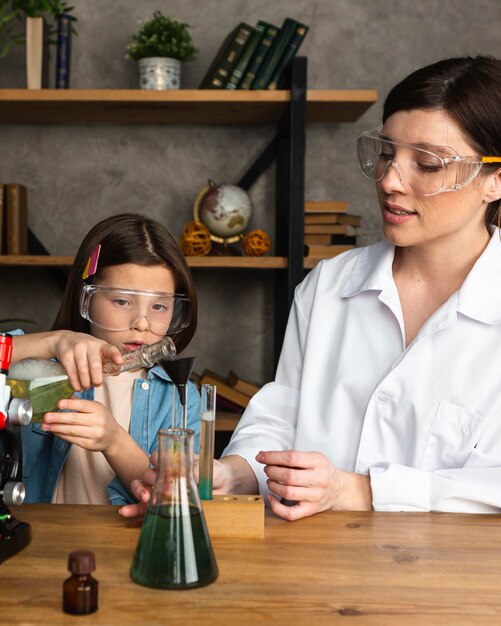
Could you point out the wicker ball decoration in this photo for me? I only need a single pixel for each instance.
(195, 240)
(256, 243)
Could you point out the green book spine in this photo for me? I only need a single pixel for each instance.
(278, 48)
(227, 57)
(252, 44)
(290, 53)
(259, 56)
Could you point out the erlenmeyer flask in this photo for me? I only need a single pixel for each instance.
(174, 549)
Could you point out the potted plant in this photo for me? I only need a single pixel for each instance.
(160, 46)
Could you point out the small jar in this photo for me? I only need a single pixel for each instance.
(80, 590)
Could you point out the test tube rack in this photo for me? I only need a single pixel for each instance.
(238, 516)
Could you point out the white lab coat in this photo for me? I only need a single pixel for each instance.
(423, 421)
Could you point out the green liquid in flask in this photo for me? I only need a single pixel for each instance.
(174, 550)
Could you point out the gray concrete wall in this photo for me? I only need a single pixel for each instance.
(78, 174)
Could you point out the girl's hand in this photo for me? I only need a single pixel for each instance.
(314, 483)
(142, 489)
(81, 356)
(87, 424)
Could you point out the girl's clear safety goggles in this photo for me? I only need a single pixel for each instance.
(117, 309)
(426, 169)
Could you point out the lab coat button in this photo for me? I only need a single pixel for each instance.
(383, 396)
(145, 386)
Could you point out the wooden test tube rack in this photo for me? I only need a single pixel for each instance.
(236, 516)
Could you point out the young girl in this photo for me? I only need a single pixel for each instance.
(129, 286)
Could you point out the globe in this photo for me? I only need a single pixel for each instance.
(226, 210)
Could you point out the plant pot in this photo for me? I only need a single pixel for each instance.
(160, 73)
(37, 53)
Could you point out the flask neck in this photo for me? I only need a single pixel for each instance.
(175, 484)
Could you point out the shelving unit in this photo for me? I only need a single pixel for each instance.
(186, 106)
(289, 110)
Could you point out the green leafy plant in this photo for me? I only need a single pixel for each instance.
(162, 36)
(13, 13)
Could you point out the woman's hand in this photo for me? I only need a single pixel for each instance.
(82, 356)
(87, 424)
(314, 483)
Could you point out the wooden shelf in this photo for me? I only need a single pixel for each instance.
(183, 106)
(229, 262)
(264, 262)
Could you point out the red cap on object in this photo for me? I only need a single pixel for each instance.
(3, 420)
(5, 352)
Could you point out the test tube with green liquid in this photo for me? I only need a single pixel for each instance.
(207, 434)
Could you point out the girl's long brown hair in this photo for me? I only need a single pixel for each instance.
(127, 238)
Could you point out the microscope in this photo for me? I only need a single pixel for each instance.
(14, 414)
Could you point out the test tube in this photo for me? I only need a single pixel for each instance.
(207, 433)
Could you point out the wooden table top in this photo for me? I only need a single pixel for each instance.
(333, 568)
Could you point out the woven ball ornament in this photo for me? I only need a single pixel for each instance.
(256, 243)
(195, 240)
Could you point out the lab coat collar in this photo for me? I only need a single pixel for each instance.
(372, 270)
(479, 297)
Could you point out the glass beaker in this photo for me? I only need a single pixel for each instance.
(174, 550)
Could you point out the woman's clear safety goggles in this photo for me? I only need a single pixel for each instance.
(426, 169)
(115, 309)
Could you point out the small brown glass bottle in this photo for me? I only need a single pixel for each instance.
(80, 590)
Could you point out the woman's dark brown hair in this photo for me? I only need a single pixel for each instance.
(469, 90)
(127, 238)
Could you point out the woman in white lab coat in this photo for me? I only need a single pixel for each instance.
(387, 394)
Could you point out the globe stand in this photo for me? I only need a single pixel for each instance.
(219, 249)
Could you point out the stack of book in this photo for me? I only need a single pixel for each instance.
(255, 57)
(232, 393)
(328, 230)
(13, 219)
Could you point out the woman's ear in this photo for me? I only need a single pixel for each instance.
(493, 187)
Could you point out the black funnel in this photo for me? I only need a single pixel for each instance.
(179, 370)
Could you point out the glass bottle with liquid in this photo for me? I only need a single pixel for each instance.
(80, 590)
(45, 382)
(174, 550)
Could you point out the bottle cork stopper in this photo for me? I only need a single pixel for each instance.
(81, 562)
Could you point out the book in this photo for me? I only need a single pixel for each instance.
(325, 206)
(332, 218)
(324, 218)
(352, 220)
(2, 218)
(16, 219)
(245, 57)
(326, 252)
(223, 389)
(330, 229)
(63, 51)
(270, 32)
(242, 385)
(318, 239)
(289, 54)
(278, 48)
(37, 53)
(227, 57)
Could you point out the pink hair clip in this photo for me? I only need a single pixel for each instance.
(91, 265)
